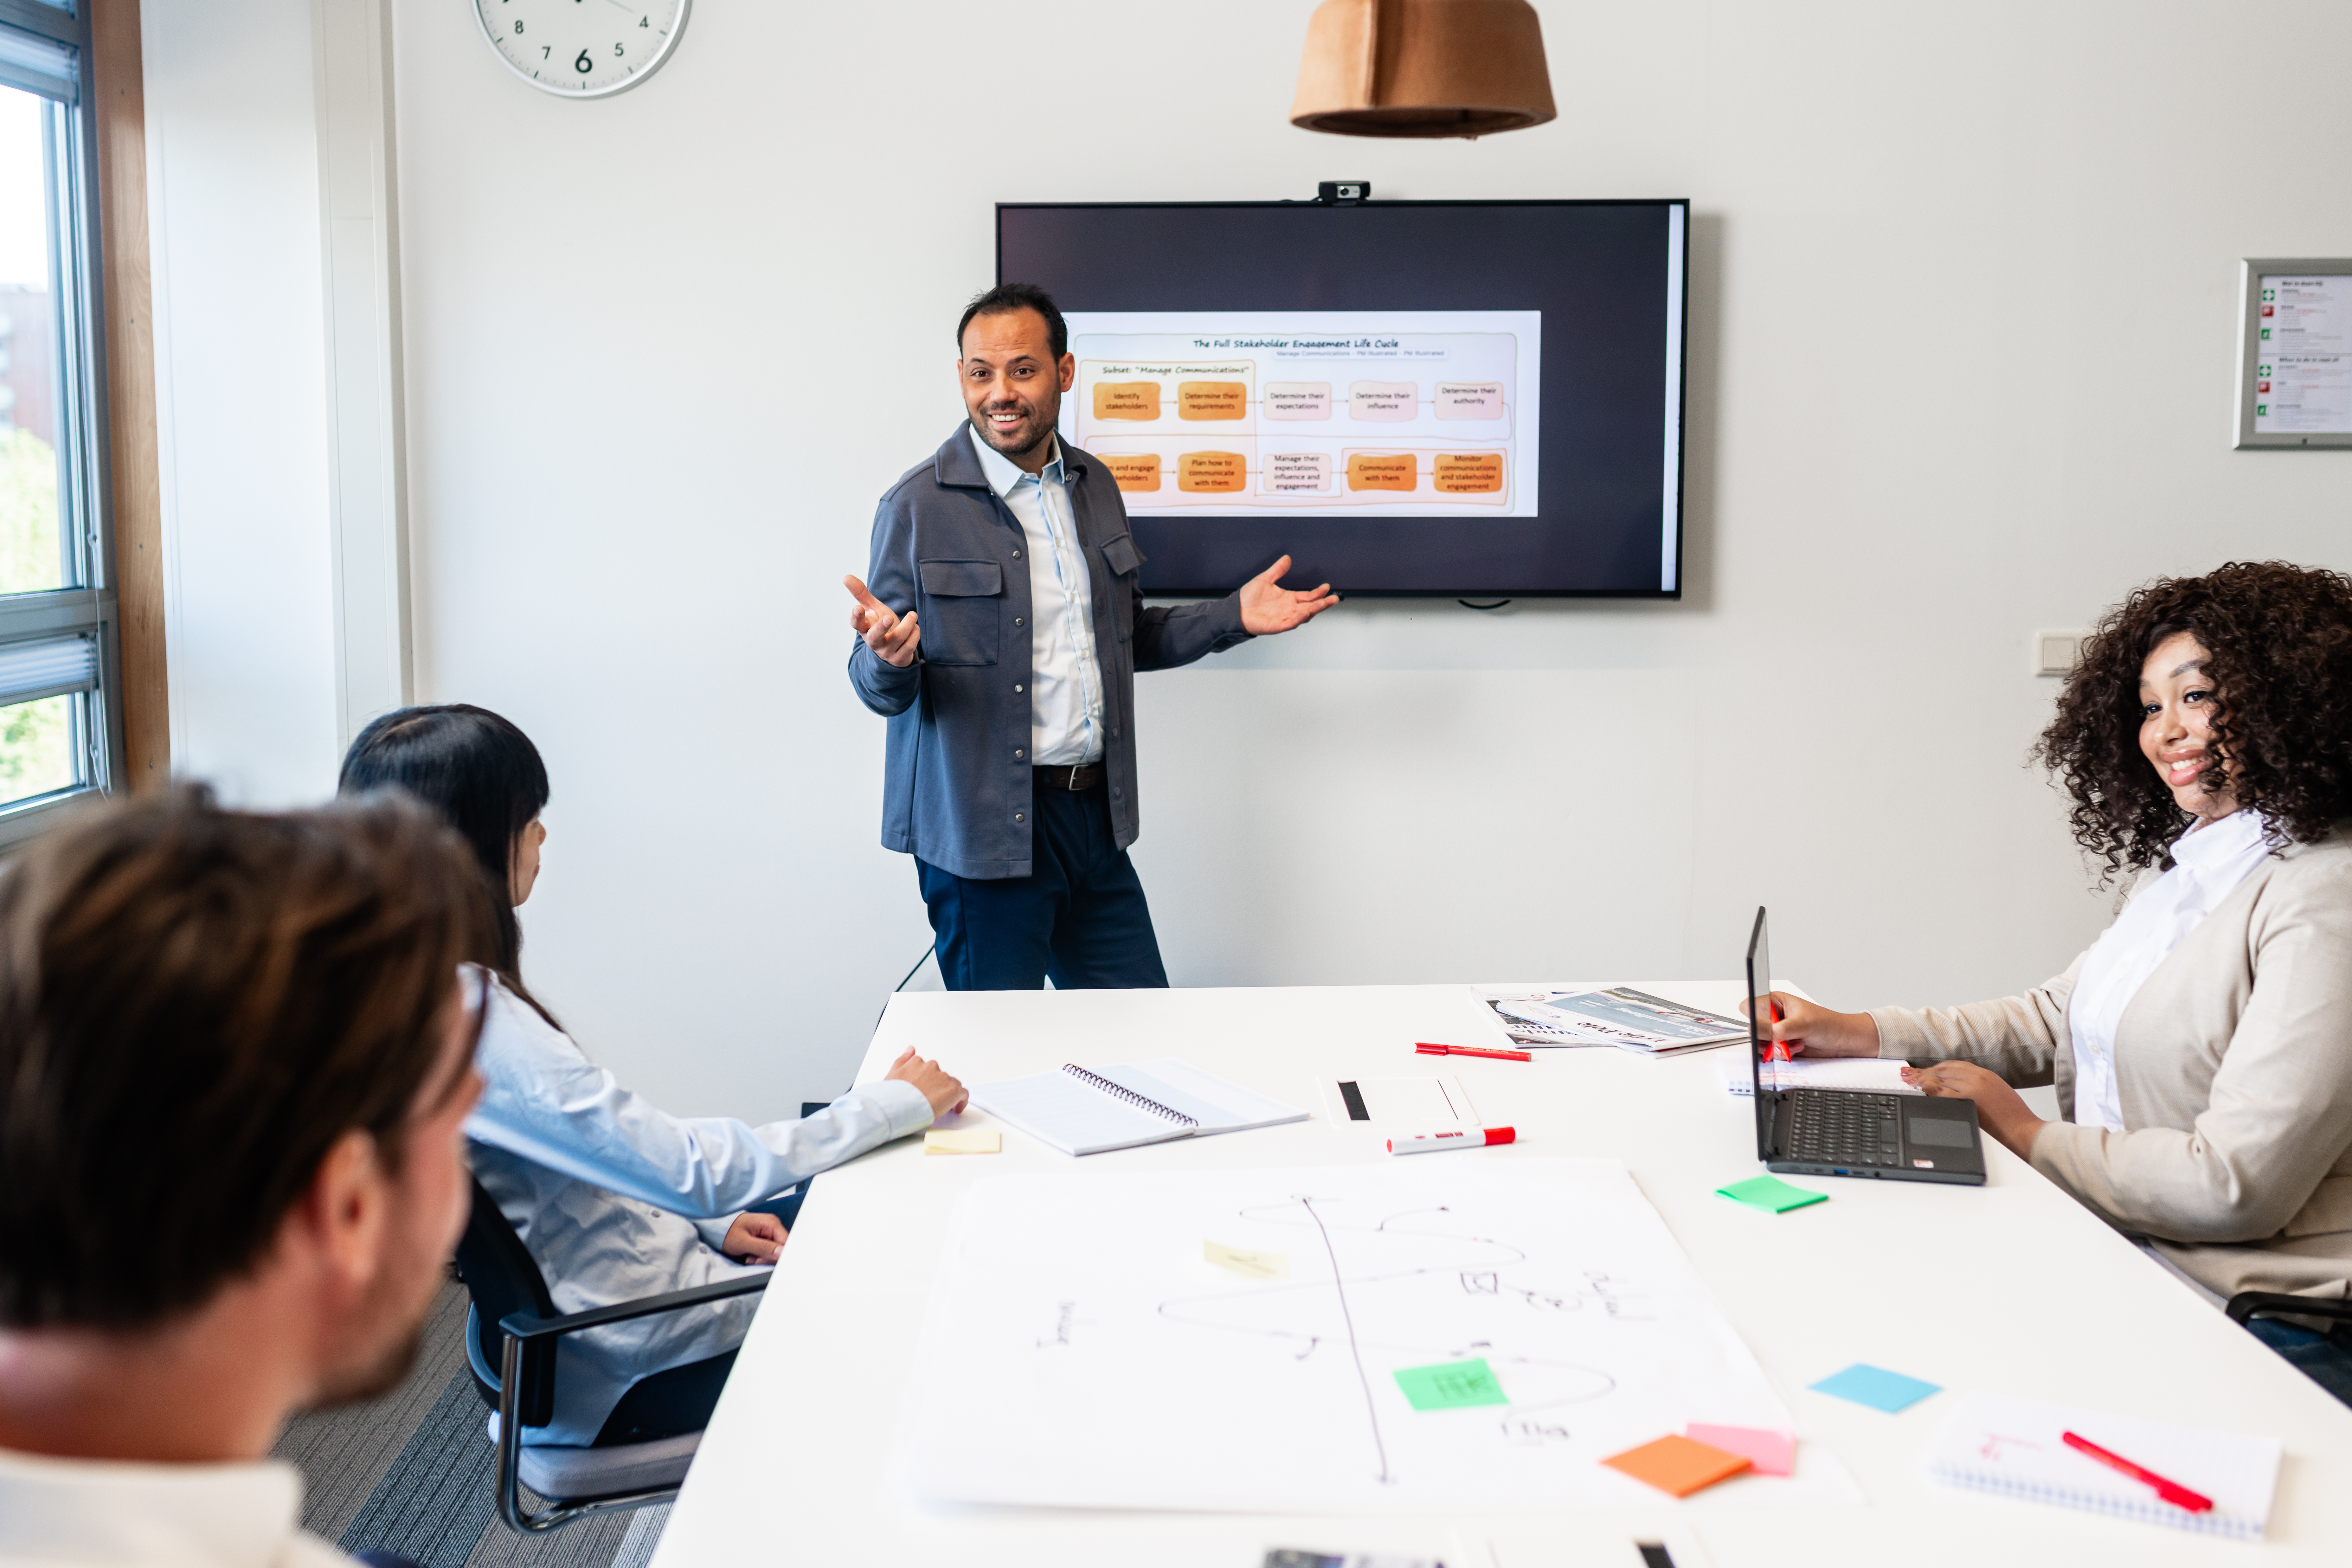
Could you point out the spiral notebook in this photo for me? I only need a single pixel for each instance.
(2018, 1446)
(1085, 1110)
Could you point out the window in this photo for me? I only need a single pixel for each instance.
(60, 715)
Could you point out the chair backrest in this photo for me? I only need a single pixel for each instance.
(500, 1274)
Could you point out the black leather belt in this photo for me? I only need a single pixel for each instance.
(1074, 779)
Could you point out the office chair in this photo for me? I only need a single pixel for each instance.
(513, 1325)
(2247, 1305)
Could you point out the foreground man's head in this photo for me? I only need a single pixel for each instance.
(236, 1057)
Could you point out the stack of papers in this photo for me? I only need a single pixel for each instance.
(1614, 1016)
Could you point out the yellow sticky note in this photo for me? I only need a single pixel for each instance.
(969, 1140)
(1257, 1265)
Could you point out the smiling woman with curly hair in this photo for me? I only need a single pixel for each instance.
(2202, 1047)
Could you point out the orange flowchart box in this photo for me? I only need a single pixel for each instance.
(1134, 470)
(1467, 473)
(1212, 400)
(1126, 400)
(1212, 472)
(1395, 473)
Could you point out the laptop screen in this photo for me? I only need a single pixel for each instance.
(1759, 1008)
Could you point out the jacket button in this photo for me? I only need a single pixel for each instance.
(1018, 817)
(1017, 688)
(1018, 621)
(1016, 555)
(1115, 792)
(1018, 753)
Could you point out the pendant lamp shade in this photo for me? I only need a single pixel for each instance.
(1423, 68)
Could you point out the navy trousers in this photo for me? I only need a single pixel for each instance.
(1079, 917)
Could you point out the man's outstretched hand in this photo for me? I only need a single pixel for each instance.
(1268, 607)
(891, 635)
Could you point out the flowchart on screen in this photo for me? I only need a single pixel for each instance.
(1245, 412)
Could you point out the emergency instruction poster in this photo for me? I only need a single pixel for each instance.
(1394, 414)
(2303, 371)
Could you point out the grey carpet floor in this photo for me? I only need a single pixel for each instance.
(411, 1473)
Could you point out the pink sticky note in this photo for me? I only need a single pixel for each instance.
(1771, 1453)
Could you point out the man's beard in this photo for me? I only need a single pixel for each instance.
(374, 1378)
(1037, 425)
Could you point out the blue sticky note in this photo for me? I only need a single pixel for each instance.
(1876, 1387)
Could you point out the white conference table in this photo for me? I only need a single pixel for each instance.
(2011, 1288)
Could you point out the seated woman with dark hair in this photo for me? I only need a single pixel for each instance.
(2202, 1047)
(614, 1198)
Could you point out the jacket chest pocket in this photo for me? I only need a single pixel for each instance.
(963, 606)
(1124, 559)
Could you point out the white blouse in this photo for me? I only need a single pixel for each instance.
(2209, 861)
(618, 1199)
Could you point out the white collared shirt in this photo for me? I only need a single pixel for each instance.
(104, 1513)
(2209, 861)
(1065, 692)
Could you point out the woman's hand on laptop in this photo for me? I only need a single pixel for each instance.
(2001, 1109)
(1808, 1028)
(945, 1093)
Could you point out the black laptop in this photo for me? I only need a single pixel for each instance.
(1847, 1133)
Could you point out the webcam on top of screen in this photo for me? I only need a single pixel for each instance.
(1343, 192)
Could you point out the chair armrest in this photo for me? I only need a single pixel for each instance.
(2247, 1305)
(529, 1326)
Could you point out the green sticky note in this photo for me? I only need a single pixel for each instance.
(1770, 1194)
(1451, 1385)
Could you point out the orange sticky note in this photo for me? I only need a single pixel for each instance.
(1676, 1466)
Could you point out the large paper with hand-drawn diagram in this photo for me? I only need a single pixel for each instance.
(1092, 1342)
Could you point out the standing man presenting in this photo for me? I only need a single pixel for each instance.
(1001, 638)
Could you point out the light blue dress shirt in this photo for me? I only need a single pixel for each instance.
(618, 1199)
(1066, 689)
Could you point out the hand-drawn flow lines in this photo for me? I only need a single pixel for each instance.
(1398, 1288)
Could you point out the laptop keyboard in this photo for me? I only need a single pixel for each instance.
(1842, 1128)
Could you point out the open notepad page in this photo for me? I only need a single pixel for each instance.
(1218, 1104)
(1062, 1110)
(1875, 1075)
(2018, 1446)
(1072, 1115)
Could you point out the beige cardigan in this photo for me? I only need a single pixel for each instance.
(2234, 1064)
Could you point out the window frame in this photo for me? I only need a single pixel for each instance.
(85, 500)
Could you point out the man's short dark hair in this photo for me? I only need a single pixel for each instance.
(1007, 298)
(195, 1004)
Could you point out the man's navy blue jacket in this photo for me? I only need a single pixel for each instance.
(956, 792)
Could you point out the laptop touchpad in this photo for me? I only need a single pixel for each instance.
(1938, 1132)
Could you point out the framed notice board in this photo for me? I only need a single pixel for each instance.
(2294, 353)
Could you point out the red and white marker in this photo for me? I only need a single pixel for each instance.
(1476, 1138)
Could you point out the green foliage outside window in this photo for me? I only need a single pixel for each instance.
(35, 738)
(35, 748)
(29, 559)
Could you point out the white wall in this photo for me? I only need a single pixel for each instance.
(1961, 339)
(233, 216)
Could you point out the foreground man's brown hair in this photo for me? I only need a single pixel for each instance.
(195, 1006)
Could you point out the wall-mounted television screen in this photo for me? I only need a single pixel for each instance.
(1471, 399)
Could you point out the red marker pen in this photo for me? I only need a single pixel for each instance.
(1475, 1137)
(1424, 1049)
(2170, 1491)
(1780, 1051)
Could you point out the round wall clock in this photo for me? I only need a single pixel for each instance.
(583, 49)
